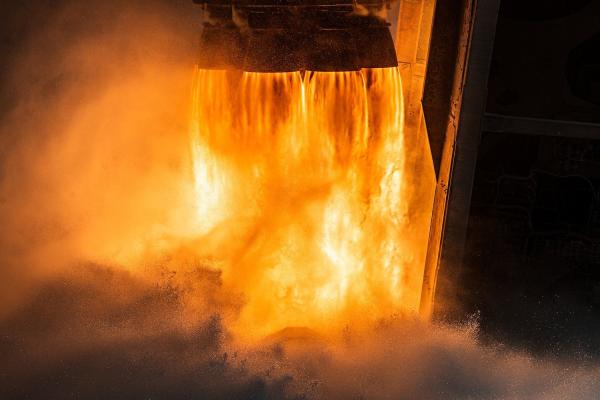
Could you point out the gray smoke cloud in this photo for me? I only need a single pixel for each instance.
(101, 296)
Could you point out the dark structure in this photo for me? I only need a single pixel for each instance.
(295, 35)
(524, 251)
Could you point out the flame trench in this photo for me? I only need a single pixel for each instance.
(300, 185)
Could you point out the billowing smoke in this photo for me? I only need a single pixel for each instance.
(101, 292)
(98, 332)
(94, 135)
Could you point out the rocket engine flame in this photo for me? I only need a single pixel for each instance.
(300, 185)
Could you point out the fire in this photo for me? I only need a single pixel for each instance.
(301, 195)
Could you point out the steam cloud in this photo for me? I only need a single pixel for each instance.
(100, 293)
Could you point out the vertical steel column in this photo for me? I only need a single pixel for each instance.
(459, 154)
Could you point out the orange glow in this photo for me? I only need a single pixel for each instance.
(301, 187)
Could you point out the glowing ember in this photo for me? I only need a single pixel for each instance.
(300, 184)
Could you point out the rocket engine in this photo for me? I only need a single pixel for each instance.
(296, 35)
(323, 169)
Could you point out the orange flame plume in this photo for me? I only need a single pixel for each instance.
(301, 189)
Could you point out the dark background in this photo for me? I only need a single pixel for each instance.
(532, 265)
